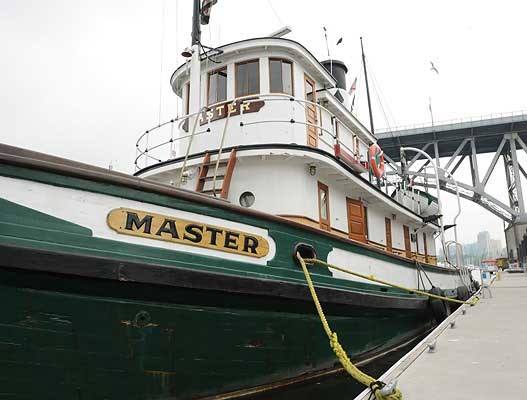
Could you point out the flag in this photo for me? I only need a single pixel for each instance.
(352, 103)
(206, 5)
(353, 87)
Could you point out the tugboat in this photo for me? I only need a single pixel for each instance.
(183, 281)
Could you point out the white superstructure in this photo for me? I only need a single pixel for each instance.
(272, 130)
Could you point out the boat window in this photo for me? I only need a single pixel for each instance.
(281, 76)
(247, 199)
(247, 78)
(217, 87)
(323, 206)
(356, 146)
(310, 90)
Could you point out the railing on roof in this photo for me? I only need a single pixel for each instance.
(159, 143)
(520, 113)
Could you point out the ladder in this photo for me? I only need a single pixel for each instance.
(209, 173)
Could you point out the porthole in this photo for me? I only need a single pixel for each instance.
(246, 199)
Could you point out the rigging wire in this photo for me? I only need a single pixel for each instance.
(275, 13)
(177, 53)
(161, 57)
(377, 95)
(382, 101)
(357, 106)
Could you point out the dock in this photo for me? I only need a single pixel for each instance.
(480, 351)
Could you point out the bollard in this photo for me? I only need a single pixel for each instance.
(432, 346)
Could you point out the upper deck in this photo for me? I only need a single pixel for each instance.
(257, 91)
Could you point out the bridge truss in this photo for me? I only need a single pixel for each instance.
(457, 142)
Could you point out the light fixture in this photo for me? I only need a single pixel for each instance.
(312, 169)
(187, 52)
(185, 176)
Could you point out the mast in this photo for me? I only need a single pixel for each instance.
(195, 63)
(367, 86)
(196, 28)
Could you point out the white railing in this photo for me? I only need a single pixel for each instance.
(160, 143)
(519, 113)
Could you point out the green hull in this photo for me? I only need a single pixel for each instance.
(91, 318)
(65, 335)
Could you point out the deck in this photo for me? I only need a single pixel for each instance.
(482, 357)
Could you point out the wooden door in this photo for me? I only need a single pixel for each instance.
(388, 223)
(407, 246)
(356, 220)
(311, 112)
(425, 246)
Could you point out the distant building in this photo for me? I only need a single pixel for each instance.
(483, 244)
(483, 248)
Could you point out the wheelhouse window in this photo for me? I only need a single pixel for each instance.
(281, 76)
(217, 86)
(247, 78)
(323, 206)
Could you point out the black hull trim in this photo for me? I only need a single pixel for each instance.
(14, 257)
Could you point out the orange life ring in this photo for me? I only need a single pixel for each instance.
(376, 156)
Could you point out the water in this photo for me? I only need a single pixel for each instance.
(340, 384)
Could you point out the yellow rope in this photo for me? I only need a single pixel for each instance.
(360, 376)
(373, 279)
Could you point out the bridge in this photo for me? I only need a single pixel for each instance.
(450, 143)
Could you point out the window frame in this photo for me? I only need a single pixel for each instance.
(292, 75)
(323, 222)
(425, 245)
(389, 243)
(187, 99)
(215, 71)
(366, 226)
(236, 66)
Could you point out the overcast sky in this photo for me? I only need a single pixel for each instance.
(81, 79)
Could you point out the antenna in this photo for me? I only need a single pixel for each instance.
(327, 48)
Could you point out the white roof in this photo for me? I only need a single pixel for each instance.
(298, 54)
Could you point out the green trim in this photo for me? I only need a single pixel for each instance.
(18, 215)
(281, 267)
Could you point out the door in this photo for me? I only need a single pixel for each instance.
(356, 220)
(323, 206)
(425, 246)
(407, 248)
(311, 112)
(388, 223)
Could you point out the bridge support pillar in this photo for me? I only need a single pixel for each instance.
(516, 241)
